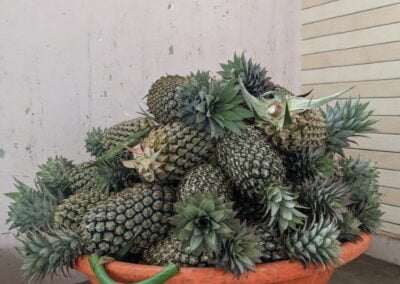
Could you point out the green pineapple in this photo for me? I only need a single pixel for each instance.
(253, 76)
(211, 107)
(205, 178)
(82, 177)
(249, 161)
(69, 214)
(271, 243)
(136, 217)
(317, 243)
(169, 151)
(162, 97)
(291, 123)
(120, 132)
(172, 250)
(140, 213)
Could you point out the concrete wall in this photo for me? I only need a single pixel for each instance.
(66, 66)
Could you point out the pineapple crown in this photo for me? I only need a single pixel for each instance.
(317, 243)
(32, 208)
(254, 77)
(369, 215)
(347, 118)
(309, 164)
(144, 161)
(49, 252)
(276, 106)
(114, 176)
(239, 253)
(93, 142)
(211, 107)
(53, 175)
(349, 227)
(203, 221)
(325, 197)
(280, 207)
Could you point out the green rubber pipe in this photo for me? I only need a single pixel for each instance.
(101, 274)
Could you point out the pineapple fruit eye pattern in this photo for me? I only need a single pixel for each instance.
(225, 170)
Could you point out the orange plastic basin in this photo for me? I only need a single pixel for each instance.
(282, 272)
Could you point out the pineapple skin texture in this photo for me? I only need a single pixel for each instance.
(140, 212)
(162, 97)
(181, 148)
(249, 161)
(82, 177)
(306, 131)
(205, 178)
(171, 249)
(121, 131)
(69, 214)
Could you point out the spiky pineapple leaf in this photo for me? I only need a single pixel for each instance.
(346, 119)
(203, 221)
(209, 106)
(133, 140)
(49, 253)
(32, 207)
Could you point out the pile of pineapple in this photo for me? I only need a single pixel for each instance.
(225, 171)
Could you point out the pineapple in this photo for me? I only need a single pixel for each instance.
(82, 177)
(271, 243)
(253, 76)
(291, 123)
(139, 213)
(249, 161)
(69, 214)
(169, 151)
(210, 106)
(172, 250)
(136, 217)
(349, 227)
(122, 131)
(162, 97)
(205, 178)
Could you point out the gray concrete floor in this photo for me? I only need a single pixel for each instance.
(364, 270)
(367, 270)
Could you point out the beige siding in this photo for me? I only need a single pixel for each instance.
(357, 43)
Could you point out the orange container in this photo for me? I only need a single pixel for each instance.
(282, 272)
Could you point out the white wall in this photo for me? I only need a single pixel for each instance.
(66, 66)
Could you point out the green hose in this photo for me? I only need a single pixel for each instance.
(101, 274)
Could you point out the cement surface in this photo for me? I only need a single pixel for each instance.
(367, 270)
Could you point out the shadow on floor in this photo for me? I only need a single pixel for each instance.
(367, 270)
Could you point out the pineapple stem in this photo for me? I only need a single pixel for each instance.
(101, 274)
(99, 271)
(165, 274)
